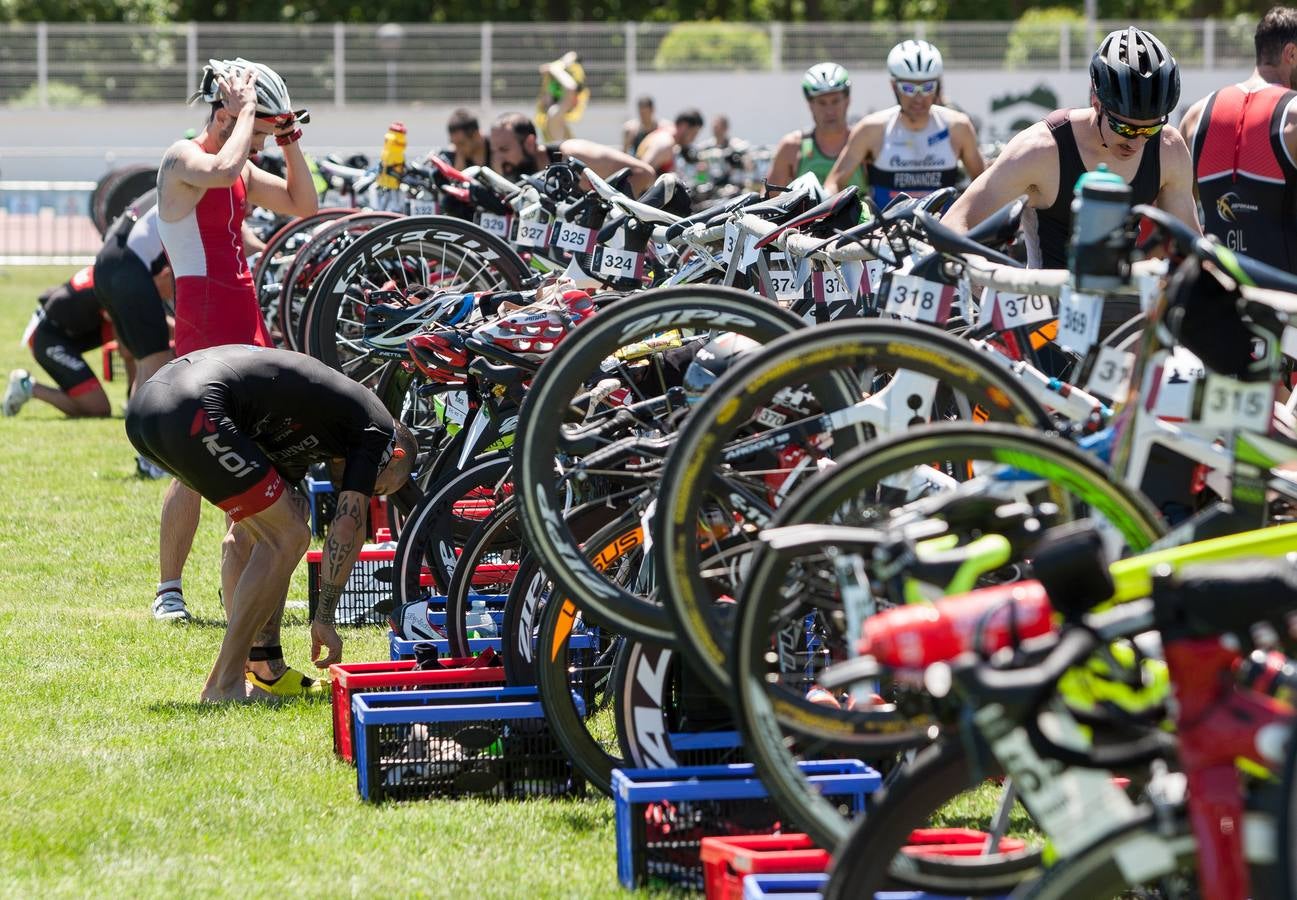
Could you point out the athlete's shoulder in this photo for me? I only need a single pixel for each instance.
(792, 139)
(953, 117)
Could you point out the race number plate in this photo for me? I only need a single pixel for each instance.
(423, 208)
(493, 224)
(830, 287)
(532, 233)
(912, 297)
(1019, 310)
(1236, 405)
(1110, 376)
(1078, 320)
(574, 238)
(621, 263)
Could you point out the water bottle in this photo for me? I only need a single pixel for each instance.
(989, 619)
(392, 161)
(480, 621)
(1100, 248)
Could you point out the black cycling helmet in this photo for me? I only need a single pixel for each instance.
(713, 360)
(1135, 76)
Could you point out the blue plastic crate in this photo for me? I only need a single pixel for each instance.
(472, 742)
(662, 815)
(398, 648)
(809, 886)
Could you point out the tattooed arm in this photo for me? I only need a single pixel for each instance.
(346, 537)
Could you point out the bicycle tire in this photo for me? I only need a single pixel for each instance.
(263, 272)
(795, 360)
(536, 443)
(766, 714)
(869, 858)
(497, 267)
(432, 535)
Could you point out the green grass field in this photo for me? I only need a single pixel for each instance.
(115, 781)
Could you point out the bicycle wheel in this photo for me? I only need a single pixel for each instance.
(770, 697)
(870, 858)
(311, 261)
(487, 564)
(928, 375)
(566, 374)
(405, 255)
(272, 262)
(439, 526)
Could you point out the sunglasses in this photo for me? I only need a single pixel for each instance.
(279, 121)
(1131, 132)
(916, 88)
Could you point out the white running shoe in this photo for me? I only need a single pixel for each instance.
(170, 607)
(18, 392)
(146, 468)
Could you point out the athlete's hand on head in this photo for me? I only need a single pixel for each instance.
(239, 90)
(325, 637)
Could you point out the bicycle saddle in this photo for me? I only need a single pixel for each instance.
(1000, 228)
(334, 170)
(842, 210)
(952, 243)
(670, 196)
(781, 208)
(711, 215)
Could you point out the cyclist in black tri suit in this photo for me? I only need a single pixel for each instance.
(69, 323)
(1135, 85)
(238, 424)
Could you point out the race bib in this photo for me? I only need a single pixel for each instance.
(1078, 320)
(1233, 405)
(1110, 376)
(493, 224)
(532, 233)
(423, 208)
(1019, 310)
(574, 238)
(913, 297)
(621, 263)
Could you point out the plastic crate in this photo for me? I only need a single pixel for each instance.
(350, 679)
(368, 594)
(726, 860)
(956, 842)
(401, 649)
(474, 742)
(662, 815)
(803, 886)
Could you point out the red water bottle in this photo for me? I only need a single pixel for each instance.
(919, 635)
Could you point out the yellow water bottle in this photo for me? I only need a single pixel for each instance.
(392, 162)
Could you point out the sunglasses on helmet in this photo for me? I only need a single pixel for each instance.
(1131, 132)
(916, 88)
(300, 116)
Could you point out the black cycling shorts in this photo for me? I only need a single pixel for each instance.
(59, 354)
(126, 289)
(173, 421)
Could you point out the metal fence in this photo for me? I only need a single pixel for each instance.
(86, 65)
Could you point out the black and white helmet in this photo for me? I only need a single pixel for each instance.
(272, 94)
(914, 61)
(825, 78)
(1135, 76)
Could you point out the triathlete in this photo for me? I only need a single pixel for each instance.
(516, 151)
(204, 187)
(1244, 143)
(1135, 84)
(563, 97)
(468, 146)
(633, 131)
(827, 89)
(916, 146)
(68, 323)
(663, 149)
(238, 424)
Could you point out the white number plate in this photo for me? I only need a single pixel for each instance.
(574, 238)
(423, 208)
(1019, 310)
(532, 233)
(493, 224)
(784, 281)
(1173, 399)
(456, 406)
(1230, 404)
(1078, 320)
(621, 263)
(874, 269)
(912, 297)
(1110, 376)
(830, 287)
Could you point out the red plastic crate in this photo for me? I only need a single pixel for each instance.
(401, 675)
(727, 860)
(956, 842)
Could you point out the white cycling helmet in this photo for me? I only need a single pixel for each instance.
(825, 78)
(272, 93)
(914, 61)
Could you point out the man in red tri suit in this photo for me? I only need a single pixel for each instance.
(1244, 140)
(204, 187)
